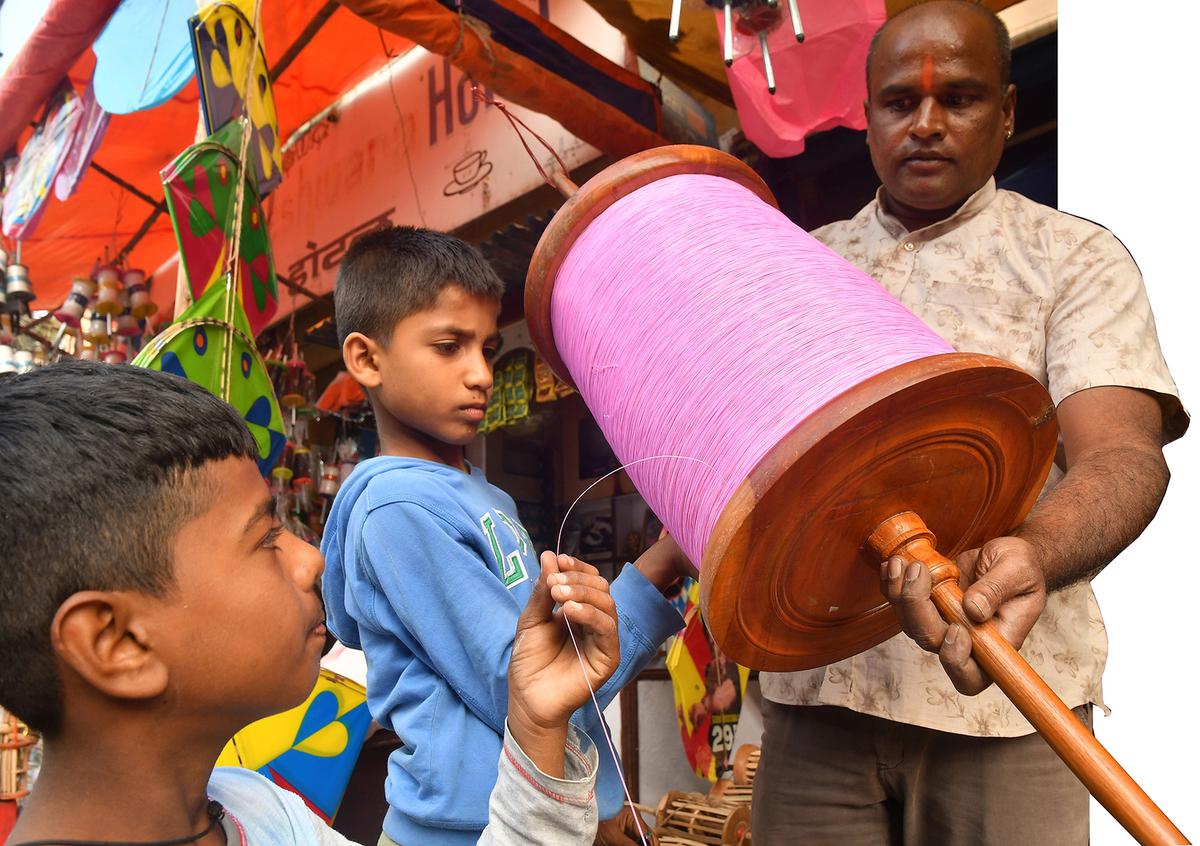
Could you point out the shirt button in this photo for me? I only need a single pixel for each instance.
(909, 246)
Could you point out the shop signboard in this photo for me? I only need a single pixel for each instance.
(414, 145)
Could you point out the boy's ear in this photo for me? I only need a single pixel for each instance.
(101, 637)
(361, 357)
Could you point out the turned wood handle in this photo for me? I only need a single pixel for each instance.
(908, 536)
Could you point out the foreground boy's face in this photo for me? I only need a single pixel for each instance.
(245, 626)
(436, 374)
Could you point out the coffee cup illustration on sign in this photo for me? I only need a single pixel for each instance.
(472, 169)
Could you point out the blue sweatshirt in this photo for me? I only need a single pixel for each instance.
(427, 569)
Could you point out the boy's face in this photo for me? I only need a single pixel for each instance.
(435, 377)
(242, 632)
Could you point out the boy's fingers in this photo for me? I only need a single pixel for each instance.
(586, 579)
(583, 594)
(549, 562)
(541, 604)
(590, 619)
(567, 563)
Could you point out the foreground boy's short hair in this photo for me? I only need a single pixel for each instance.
(387, 275)
(97, 473)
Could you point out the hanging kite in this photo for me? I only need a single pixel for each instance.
(89, 132)
(310, 750)
(223, 45)
(201, 190)
(25, 199)
(709, 689)
(210, 344)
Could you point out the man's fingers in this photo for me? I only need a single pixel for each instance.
(955, 655)
(995, 587)
(907, 585)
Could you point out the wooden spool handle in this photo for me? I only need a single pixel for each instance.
(907, 535)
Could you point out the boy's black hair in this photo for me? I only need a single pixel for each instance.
(999, 31)
(97, 474)
(387, 275)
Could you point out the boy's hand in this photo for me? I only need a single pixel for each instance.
(664, 563)
(545, 683)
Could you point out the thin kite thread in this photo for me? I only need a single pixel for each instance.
(514, 120)
(694, 318)
(579, 654)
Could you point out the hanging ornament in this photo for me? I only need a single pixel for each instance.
(109, 299)
(140, 304)
(70, 313)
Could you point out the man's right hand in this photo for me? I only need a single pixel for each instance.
(1002, 581)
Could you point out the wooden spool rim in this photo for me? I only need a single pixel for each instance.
(964, 440)
(597, 194)
(741, 763)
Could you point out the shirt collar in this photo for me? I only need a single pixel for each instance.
(976, 203)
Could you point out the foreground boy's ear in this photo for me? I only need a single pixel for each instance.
(99, 636)
(361, 356)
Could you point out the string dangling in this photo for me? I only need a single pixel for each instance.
(579, 654)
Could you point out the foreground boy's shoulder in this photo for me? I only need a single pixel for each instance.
(268, 814)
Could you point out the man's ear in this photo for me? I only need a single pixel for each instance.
(1009, 108)
(361, 357)
(102, 637)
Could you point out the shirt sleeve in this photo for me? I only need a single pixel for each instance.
(434, 592)
(528, 806)
(1101, 329)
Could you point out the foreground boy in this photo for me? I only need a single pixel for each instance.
(428, 563)
(153, 607)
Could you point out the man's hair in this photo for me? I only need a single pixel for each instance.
(1002, 41)
(99, 469)
(387, 275)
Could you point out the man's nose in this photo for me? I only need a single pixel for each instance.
(928, 119)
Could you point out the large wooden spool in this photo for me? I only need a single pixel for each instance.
(925, 460)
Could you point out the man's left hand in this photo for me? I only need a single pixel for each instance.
(1003, 581)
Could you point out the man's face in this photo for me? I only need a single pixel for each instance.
(936, 112)
(244, 627)
(436, 374)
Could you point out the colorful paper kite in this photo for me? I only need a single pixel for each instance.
(709, 690)
(40, 160)
(201, 191)
(210, 344)
(89, 132)
(310, 750)
(222, 40)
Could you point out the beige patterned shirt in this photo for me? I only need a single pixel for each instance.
(1060, 297)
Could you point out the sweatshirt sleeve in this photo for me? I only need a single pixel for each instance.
(426, 585)
(528, 806)
(644, 620)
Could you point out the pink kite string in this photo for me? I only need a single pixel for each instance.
(695, 319)
(612, 750)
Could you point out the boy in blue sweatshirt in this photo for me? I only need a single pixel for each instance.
(428, 565)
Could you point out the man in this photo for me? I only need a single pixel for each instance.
(885, 747)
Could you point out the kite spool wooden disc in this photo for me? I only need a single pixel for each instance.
(692, 816)
(745, 764)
